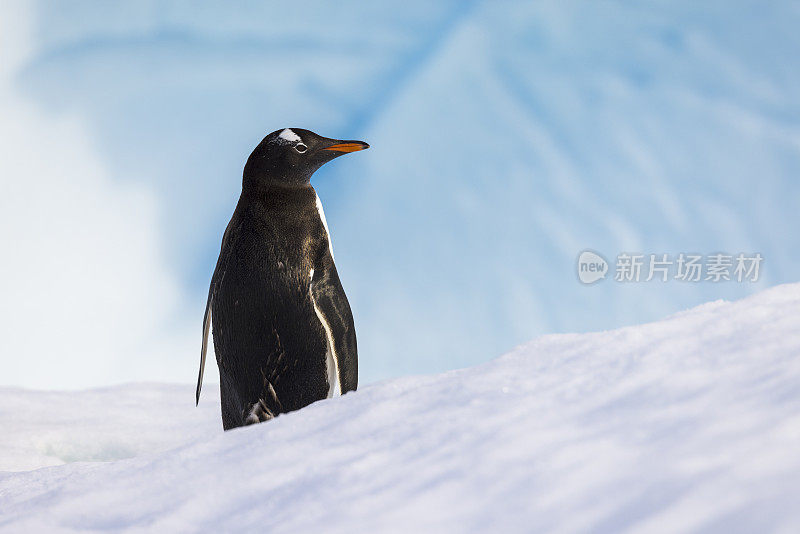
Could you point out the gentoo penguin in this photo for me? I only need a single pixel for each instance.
(282, 327)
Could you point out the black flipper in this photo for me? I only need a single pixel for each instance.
(219, 272)
(330, 303)
(204, 347)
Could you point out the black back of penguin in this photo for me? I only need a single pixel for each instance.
(282, 327)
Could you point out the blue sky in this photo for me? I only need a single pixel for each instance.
(506, 138)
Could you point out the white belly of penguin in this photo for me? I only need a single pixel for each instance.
(331, 360)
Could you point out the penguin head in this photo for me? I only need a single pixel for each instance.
(288, 157)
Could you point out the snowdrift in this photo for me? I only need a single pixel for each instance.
(686, 423)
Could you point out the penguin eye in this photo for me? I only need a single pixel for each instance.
(300, 147)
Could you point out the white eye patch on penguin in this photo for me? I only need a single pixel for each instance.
(287, 135)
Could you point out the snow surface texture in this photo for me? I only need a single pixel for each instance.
(688, 423)
(506, 137)
(44, 428)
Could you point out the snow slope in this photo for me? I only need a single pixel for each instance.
(44, 428)
(690, 422)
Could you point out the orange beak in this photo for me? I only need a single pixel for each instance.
(348, 146)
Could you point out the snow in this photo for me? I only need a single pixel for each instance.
(691, 422)
(44, 428)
